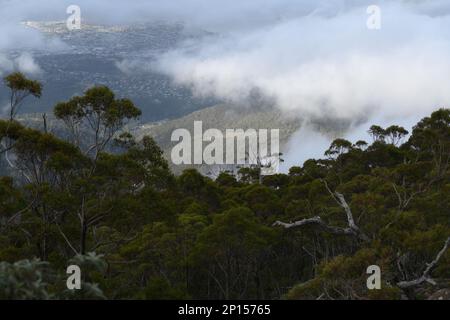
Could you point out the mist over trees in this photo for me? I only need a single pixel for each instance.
(138, 231)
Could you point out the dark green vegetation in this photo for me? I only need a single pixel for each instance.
(309, 234)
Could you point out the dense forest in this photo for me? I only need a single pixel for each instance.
(140, 232)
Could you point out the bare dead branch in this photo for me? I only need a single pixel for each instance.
(426, 274)
(317, 221)
(352, 229)
(348, 212)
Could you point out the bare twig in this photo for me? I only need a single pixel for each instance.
(352, 229)
(425, 277)
(66, 239)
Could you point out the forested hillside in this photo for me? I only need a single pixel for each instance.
(140, 232)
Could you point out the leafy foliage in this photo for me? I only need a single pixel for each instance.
(160, 236)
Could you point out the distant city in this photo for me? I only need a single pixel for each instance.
(110, 55)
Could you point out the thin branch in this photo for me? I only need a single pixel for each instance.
(426, 274)
(13, 217)
(317, 221)
(67, 240)
(348, 212)
(400, 201)
(352, 229)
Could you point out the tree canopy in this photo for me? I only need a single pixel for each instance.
(138, 231)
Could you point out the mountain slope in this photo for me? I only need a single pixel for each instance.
(220, 117)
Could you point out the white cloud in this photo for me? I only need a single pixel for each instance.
(328, 65)
(25, 63)
(334, 66)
